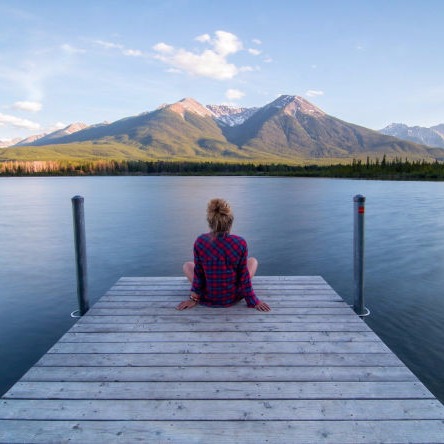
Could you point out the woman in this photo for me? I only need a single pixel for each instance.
(221, 273)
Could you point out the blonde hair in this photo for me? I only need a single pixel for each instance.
(219, 216)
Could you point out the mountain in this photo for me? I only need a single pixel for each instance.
(31, 140)
(433, 136)
(9, 142)
(288, 129)
(182, 129)
(45, 139)
(291, 126)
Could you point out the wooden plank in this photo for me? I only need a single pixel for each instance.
(186, 318)
(232, 311)
(176, 297)
(218, 359)
(232, 410)
(264, 287)
(219, 390)
(273, 278)
(86, 327)
(233, 336)
(137, 369)
(184, 292)
(142, 305)
(220, 347)
(223, 373)
(249, 432)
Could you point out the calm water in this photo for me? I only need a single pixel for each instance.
(145, 226)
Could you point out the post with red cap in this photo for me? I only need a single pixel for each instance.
(80, 247)
(358, 255)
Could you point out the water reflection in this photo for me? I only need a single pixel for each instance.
(139, 226)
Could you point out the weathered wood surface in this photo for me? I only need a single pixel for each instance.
(135, 369)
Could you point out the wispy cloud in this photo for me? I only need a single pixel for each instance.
(257, 41)
(314, 93)
(66, 47)
(119, 47)
(17, 122)
(108, 45)
(234, 94)
(28, 106)
(253, 51)
(212, 63)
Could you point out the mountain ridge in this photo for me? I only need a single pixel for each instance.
(290, 128)
(433, 136)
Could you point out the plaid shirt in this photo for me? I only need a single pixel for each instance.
(221, 276)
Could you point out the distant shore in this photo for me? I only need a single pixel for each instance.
(394, 169)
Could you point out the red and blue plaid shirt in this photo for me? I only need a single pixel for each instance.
(221, 276)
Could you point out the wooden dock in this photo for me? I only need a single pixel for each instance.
(134, 369)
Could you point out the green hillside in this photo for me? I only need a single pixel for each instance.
(288, 130)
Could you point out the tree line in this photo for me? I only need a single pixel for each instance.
(392, 169)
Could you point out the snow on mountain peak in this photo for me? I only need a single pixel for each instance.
(231, 115)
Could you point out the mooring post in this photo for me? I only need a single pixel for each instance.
(80, 247)
(358, 255)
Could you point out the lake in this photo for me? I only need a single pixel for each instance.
(146, 226)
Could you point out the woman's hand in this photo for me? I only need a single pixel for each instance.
(189, 303)
(262, 306)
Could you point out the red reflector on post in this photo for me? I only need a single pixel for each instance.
(361, 210)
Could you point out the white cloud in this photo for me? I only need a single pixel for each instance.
(226, 43)
(57, 126)
(314, 93)
(119, 47)
(108, 45)
(28, 106)
(71, 49)
(234, 94)
(254, 51)
(6, 119)
(257, 41)
(163, 47)
(268, 60)
(132, 52)
(211, 62)
(203, 38)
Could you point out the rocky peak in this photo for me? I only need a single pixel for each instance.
(5, 143)
(189, 105)
(293, 105)
(31, 139)
(74, 127)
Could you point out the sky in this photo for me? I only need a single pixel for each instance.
(368, 62)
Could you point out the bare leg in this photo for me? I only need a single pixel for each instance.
(252, 266)
(188, 269)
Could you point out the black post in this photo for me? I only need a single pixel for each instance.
(358, 255)
(80, 247)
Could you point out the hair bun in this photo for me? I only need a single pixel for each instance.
(219, 215)
(219, 206)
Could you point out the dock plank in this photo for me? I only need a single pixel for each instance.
(135, 369)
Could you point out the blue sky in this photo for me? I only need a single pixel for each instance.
(367, 62)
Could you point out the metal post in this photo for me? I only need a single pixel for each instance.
(80, 247)
(358, 255)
